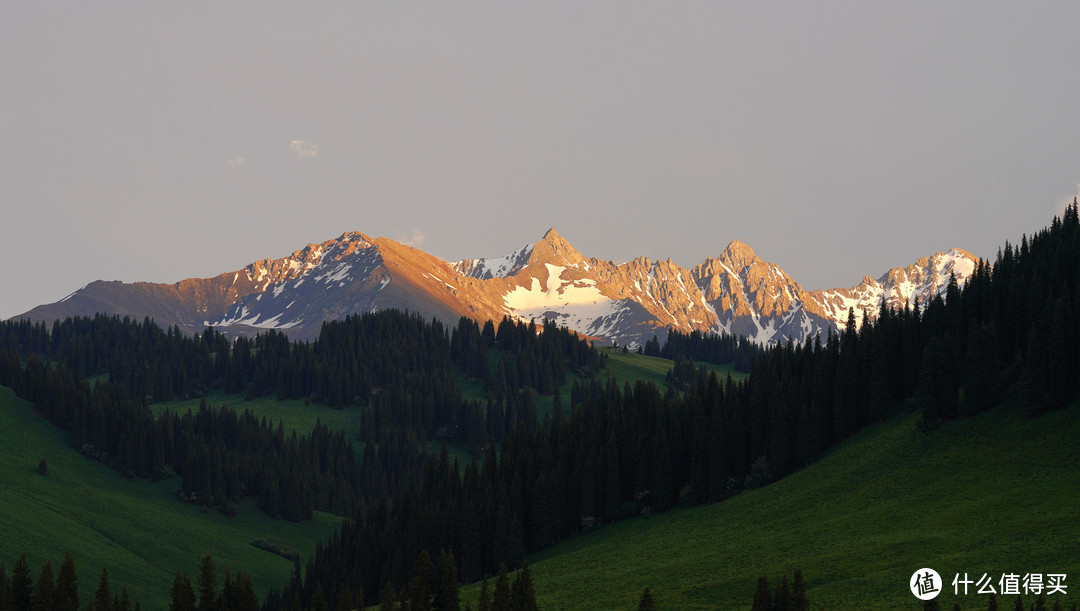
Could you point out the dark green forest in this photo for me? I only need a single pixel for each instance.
(608, 453)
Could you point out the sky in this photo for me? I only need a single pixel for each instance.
(160, 141)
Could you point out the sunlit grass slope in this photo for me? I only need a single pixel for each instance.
(631, 367)
(137, 529)
(294, 414)
(993, 494)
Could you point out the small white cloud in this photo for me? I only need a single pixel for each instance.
(417, 239)
(305, 148)
(237, 161)
(1063, 204)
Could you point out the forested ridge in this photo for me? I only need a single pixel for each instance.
(612, 452)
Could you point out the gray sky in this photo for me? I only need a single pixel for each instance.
(154, 141)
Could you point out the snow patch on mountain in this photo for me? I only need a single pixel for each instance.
(557, 294)
(577, 304)
(498, 267)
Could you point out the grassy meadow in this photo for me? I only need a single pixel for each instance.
(137, 529)
(992, 494)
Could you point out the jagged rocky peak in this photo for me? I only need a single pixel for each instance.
(499, 267)
(356, 238)
(553, 249)
(738, 255)
(344, 245)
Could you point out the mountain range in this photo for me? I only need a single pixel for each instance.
(628, 303)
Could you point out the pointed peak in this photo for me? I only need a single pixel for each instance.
(958, 252)
(554, 249)
(739, 255)
(738, 246)
(354, 236)
(551, 234)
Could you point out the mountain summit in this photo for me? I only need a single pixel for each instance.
(736, 292)
(552, 248)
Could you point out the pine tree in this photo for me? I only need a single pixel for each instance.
(103, 594)
(387, 597)
(523, 594)
(646, 603)
(420, 586)
(7, 595)
(182, 596)
(345, 599)
(318, 600)
(762, 596)
(123, 602)
(45, 589)
(799, 599)
(67, 586)
(484, 604)
(515, 545)
(446, 596)
(22, 584)
(982, 370)
(782, 598)
(501, 600)
(207, 584)
(242, 596)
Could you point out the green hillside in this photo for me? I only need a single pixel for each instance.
(992, 494)
(631, 367)
(137, 529)
(294, 414)
(300, 416)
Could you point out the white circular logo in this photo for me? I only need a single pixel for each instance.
(925, 584)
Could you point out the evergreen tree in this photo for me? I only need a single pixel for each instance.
(45, 589)
(501, 599)
(421, 585)
(387, 597)
(318, 600)
(123, 601)
(799, 599)
(484, 604)
(7, 595)
(103, 594)
(67, 586)
(982, 370)
(762, 595)
(446, 595)
(523, 594)
(345, 599)
(22, 584)
(182, 596)
(242, 595)
(207, 584)
(646, 603)
(782, 597)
